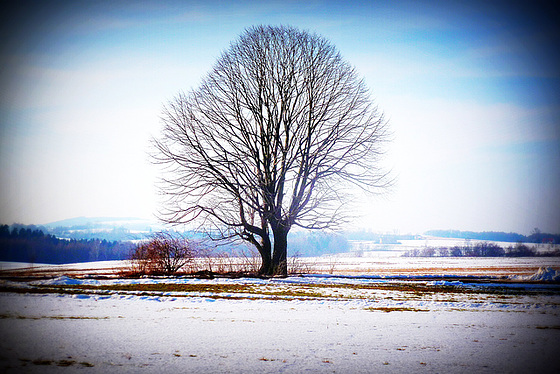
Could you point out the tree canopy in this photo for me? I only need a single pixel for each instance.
(277, 135)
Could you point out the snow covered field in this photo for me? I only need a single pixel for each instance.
(293, 325)
(420, 315)
(377, 263)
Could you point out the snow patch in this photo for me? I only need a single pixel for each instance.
(64, 281)
(545, 274)
(445, 283)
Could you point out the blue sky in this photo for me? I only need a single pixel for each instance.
(471, 91)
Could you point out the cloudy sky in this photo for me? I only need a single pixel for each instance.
(471, 91)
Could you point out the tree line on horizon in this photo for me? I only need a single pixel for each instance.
(30, 244)
(34, 244)
(481, 249)
(535, 237)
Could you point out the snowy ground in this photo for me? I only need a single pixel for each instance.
(377, 263)
(396, 320)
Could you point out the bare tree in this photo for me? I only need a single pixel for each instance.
(278, 134)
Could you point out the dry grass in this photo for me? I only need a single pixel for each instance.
(394, 291)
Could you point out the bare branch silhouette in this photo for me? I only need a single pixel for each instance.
(278, 134)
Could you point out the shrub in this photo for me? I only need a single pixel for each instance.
(162, 254)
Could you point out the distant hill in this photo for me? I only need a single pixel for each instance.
(88, 221)
(105, 228)
(132, 223)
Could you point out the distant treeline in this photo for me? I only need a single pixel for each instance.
(482, 249)
(511, 237)
(316, 243)
(300, 244)
(30, 244)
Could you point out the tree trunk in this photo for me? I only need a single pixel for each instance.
(265, 250)
(280, 254)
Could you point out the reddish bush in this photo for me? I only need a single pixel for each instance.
(163, 254)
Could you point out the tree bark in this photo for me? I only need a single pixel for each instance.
(265, 251)
(280, 254)
(263, 245)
